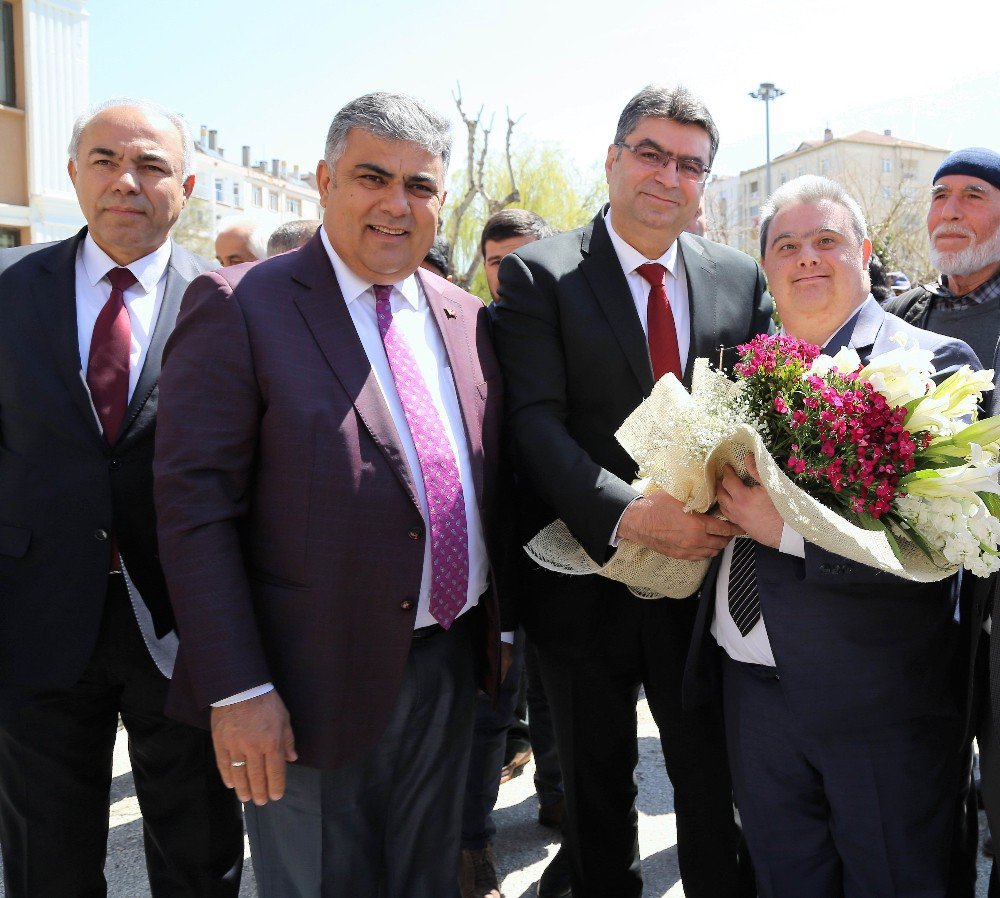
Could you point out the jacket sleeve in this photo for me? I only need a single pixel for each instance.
(208, 420)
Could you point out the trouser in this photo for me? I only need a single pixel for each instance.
(863, 815)
(388, 824)
(989, 762)
(55, 778)
(592, 692)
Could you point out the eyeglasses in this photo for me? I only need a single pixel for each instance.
(687, 168)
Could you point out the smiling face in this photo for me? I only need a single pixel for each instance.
(127, 176)
(963, 224)
(381, 205)
(815, 268)
(651, 207)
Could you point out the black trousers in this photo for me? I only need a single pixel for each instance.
(55, 776)
(593, 696)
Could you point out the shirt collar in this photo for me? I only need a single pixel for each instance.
(354, 287)
(148, 270)
(630, 258)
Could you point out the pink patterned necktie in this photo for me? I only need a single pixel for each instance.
(442, 484)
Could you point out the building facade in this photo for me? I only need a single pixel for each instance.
(43, 88)
(268, 193)
(888, 176)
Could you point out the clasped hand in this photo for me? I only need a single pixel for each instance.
(750, 507)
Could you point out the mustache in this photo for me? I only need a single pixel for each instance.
(953, 229)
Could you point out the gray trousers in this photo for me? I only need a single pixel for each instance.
(387, 825)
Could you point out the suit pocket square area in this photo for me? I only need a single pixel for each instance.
(14, 541)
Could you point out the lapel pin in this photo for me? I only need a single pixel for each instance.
(450, 313)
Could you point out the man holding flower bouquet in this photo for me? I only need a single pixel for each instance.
(842, 720)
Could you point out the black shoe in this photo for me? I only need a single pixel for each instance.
(555, 878)
(477, 875)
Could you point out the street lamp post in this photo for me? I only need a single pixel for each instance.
(767, 92)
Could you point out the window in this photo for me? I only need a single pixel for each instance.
(219, 195)
(272, 201)
(258, 196)
(236, 194)
(294, 206)
(784, 179)
(7, 93)
(887, 165)
(9, 236)
(824, 166)
(801, 171)
(887, 193)
(753, 188)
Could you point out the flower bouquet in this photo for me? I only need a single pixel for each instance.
(875, 463)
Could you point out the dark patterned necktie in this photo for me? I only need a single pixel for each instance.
(108, 364)
(438, 467)
(744, 602)
(660, 327)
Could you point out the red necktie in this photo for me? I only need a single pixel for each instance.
(660, 328)
(110, 346)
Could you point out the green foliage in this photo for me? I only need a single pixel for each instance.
(549, 185)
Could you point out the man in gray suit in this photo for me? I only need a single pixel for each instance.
(86, 630)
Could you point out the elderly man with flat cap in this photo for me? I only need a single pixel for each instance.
(963, 225)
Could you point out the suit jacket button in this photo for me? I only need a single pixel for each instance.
(406, 604)
(115, 464)
(102, 535)
(414, 533)
(825, 568)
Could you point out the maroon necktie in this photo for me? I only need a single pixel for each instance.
(110, 346)
(660, 328)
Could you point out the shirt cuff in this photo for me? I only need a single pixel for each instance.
(244, 696)
(613, 542)
(791, 542)
(507, 636)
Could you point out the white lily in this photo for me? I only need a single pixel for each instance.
(846, 361)
(952, 404)
(959, 482)
(901, 375)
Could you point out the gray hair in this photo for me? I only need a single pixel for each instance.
(290, 235)
(150, 106)
(391, 117)
(678, 105)
(810, 189)
(256, 239)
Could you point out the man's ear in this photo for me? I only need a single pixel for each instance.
(866, 253)
(324, 178)
(71, 168)
(188, 186)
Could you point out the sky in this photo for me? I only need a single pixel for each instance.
(272, 75)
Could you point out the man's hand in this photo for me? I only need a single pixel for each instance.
(258, 732)
(750, 506)
(506, 659)
(660, 523)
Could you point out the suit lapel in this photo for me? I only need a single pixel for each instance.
(456, 333)
(321, 303)
(54, 300)
(604, 273)
(860, 331)
(178, 276)
(703, 304)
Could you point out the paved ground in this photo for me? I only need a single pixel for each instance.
(523, 847)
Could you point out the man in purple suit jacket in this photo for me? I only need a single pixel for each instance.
(326, 474)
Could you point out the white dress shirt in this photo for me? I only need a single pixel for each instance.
(412, 315)
(142, 301)
(675, 283)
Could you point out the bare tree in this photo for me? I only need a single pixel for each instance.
(475, 187)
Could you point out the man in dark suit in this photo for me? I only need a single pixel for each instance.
(587, 321)
(842, 716)
(86, 630)
(327, 475)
